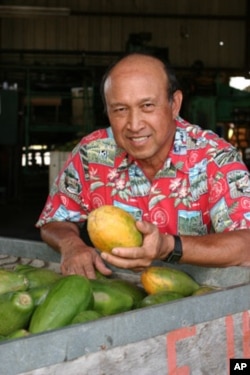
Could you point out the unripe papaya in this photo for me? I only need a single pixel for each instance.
(39, 294)
(86, 316)
(156, 279)
(18, 334)
(38, 277)
(109, 299)
(136, 292)
(15, 312)
(66, 298)
(110, 226)
(160, 297)
(204, 289)
(11, 281)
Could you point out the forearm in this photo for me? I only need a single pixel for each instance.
(217, 250)
(61, 235)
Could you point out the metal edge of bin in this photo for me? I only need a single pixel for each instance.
(57, 346)
(49, 348)
(28, 249)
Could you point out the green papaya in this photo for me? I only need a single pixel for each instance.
(204, 289)
(15, 313)
(109, 299)
(67, 297)
(135, 291)
(18, 334)
(38, 277)
(160, 297)
(39, 294)
(22, 268)
(11, 281)
(86, 316)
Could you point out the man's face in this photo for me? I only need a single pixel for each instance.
(140, 113)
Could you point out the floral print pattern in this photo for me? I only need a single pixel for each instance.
(203, 186)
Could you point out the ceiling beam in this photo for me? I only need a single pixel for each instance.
(158, 15)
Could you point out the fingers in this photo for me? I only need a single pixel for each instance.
(125, 262)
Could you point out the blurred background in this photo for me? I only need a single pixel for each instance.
(52, 57)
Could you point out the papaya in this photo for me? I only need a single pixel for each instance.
(160, 297)
(38, 277)
(23, 267)
(67, 297)
(110, 226)
(39, 294)
(156, 279)
(109, 299)
(86, 316)
(11, 281)
(135, 291)
(18, 334)
(15, 313)
(204, 289)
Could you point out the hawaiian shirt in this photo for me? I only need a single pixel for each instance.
(203, 186)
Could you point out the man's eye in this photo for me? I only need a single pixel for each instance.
(148, 106)
(120, 109)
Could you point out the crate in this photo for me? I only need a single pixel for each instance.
(196, 334)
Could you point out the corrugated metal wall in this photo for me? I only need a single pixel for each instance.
(190, 29)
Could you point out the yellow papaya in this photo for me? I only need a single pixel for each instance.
(156, 279)
(110, 226)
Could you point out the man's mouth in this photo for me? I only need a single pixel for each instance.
(139, 139)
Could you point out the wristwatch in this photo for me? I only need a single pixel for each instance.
(176, 254)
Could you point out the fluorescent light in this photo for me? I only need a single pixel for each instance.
(31, 11)
(240, 83)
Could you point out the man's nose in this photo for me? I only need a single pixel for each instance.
(134, 121)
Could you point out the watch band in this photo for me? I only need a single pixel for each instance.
(176, 254)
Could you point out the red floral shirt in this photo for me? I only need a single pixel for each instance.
(203, 186)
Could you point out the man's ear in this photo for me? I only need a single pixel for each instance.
(177, 101)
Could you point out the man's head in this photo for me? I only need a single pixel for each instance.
(173, 83)
(142, 101)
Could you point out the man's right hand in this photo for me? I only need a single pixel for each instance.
(76, 256)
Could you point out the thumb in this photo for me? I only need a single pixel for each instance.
(145, 227)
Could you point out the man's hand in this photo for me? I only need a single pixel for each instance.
(83, 261)
(76, 256)
(155, 246)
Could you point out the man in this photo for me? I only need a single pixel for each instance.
(178, 180)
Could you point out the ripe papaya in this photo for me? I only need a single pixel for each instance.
(11, 281)
(15, 313)
(86, 316)
(38, 277)
(110, 226)
(160, 297)
(67, 297)
(156, 279)
(109, 299)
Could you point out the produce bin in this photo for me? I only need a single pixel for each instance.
(193, 335)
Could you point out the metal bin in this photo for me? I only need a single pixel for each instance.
(194, 335)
